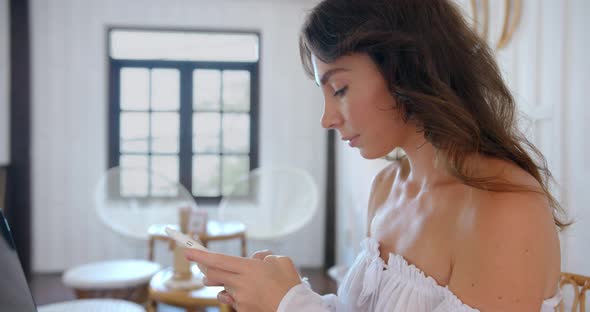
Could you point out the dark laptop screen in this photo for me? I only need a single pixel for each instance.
(14, 290)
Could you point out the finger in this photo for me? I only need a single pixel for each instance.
(221, 277)
(260, 255)
(224, 297)
(281, 261)
(207, 282)
(230, 291)
(272, 258)
(202, 268)
(219, 261)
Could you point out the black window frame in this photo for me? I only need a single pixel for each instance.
(186, 69)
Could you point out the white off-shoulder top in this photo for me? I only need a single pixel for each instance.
(373, 285)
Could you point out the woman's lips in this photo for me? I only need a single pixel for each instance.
(352, 141)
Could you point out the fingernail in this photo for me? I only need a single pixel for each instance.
(223, 298)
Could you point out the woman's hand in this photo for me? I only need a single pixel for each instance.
(251, 284)
(224, 296)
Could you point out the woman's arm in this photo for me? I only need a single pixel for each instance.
(506, 255)
(266, 285)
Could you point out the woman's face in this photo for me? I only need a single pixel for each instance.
(359, 105)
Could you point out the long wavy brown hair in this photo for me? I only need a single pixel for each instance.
(444, 79)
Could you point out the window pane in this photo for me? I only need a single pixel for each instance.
(134, 175)
(183, 45)
(206, 175)
(206, 89)
(165, 132)
(233, 168)
(165, 175)
(135, 89)
(236, 90)
(236, 133)
(134, 132)
(165, 89)
(133, 161)
(206, 132)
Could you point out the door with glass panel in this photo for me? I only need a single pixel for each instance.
(222, 127)
(191, 122)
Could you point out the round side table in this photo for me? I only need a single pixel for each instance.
(121, 279)
(191, 300)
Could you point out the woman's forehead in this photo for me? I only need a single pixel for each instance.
(347, 63)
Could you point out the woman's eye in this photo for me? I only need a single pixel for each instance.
(341, 92)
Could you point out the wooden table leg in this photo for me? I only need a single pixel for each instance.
(225, 308)
(151, 249)
(152, 306)
(244, 249)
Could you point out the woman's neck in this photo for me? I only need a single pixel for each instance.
(423, 169)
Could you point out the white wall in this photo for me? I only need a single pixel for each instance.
(4, 83)
(547, 68)
(69, 104)
(576, 145)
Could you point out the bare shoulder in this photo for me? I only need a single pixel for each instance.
(508, 255)
(380, 188)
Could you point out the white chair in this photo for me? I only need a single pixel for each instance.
(272, 202)
(130, 200)
(92, 305)
(125, 206)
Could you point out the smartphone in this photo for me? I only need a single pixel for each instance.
(185, 241)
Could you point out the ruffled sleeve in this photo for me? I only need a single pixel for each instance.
(451, 303)
(302, 298)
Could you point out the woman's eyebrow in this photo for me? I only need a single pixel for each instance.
(328, 74)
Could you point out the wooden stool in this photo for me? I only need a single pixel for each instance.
(191, 300)
(216, 231)
(121, 279)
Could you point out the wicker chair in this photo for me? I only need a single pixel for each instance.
(580, 285)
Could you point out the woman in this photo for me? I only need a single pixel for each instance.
(464, 221)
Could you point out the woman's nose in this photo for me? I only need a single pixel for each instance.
(331, 118)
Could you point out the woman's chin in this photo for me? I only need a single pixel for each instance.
(370, 155)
